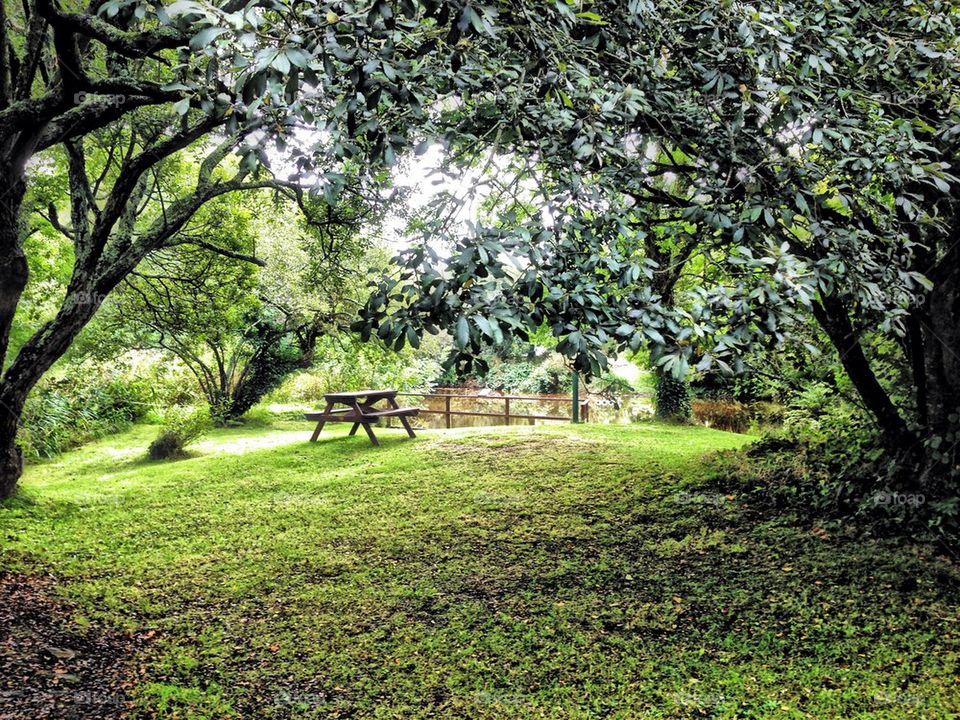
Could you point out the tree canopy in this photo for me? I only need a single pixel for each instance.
(698, 178)
(803, 155)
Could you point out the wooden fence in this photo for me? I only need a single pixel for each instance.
(507, 415)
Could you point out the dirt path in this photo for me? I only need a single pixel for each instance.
(53, 667)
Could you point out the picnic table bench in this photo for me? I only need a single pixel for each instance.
(361, 409)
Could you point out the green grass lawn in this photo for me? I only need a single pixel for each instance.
(555, 572)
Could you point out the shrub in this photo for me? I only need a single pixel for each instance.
(181, 428)
(726, 415)
(746, 388)
(82, 405)
(306, 386)
(346, 364)
(548, 376)
(768, 414)
(812, 411)
(610, 384)
(829, 461)
(510, 377)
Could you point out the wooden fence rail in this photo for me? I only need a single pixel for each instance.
(448, 412)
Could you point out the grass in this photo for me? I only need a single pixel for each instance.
(555, 572)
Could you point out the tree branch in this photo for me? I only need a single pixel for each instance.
(128, 44)
(220, 251)
(130, 174)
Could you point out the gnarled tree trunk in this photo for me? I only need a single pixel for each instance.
(35, 358)
(831, 314)
(941, 333)
(11, 458)
(13, 281)
(941, 361)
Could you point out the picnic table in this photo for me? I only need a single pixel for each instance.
(361, 409)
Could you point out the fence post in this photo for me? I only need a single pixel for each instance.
(447, 411)
(506, 410)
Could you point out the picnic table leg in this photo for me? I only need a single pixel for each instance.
(353, 430)
(366, 425)
(403, 419)
(406, 426)
(316, 433)
(373, 438)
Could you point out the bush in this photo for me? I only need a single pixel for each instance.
(181, 428)
(82, 405)
(768, 414)
(510, 377)
(814, 410)
(610, 384)
(307, 386)
(746, 388)
(347, 364)
(828, 461)
(545, 377)
(726, 415)
(550, 377)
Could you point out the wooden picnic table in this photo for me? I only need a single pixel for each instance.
(361, 409)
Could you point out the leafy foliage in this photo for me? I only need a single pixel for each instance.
(242, 330)
(726, 415)
(342, 362)
(699, 180)
(82, 405)
(794, 162)
(181, 428)
(829, 461)
(119, 88)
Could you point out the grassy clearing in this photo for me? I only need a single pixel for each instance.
(559, 572)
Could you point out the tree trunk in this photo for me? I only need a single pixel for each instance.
(35, 358)
(13, 280)
(672, 397)
(941, 346)
(13, 262)
(11, 458)
(831, 314)
(941, 364)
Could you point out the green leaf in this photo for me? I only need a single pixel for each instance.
(462, 334)
(412, 337)
(654, 335)
(591, 17)
(205, 37)
(281, 63)
(484, 325)
(298, 57)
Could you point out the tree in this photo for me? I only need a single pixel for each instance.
(813, 151)
(228, 77)
(242, 330)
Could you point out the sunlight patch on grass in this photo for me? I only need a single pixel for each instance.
(243, 445)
